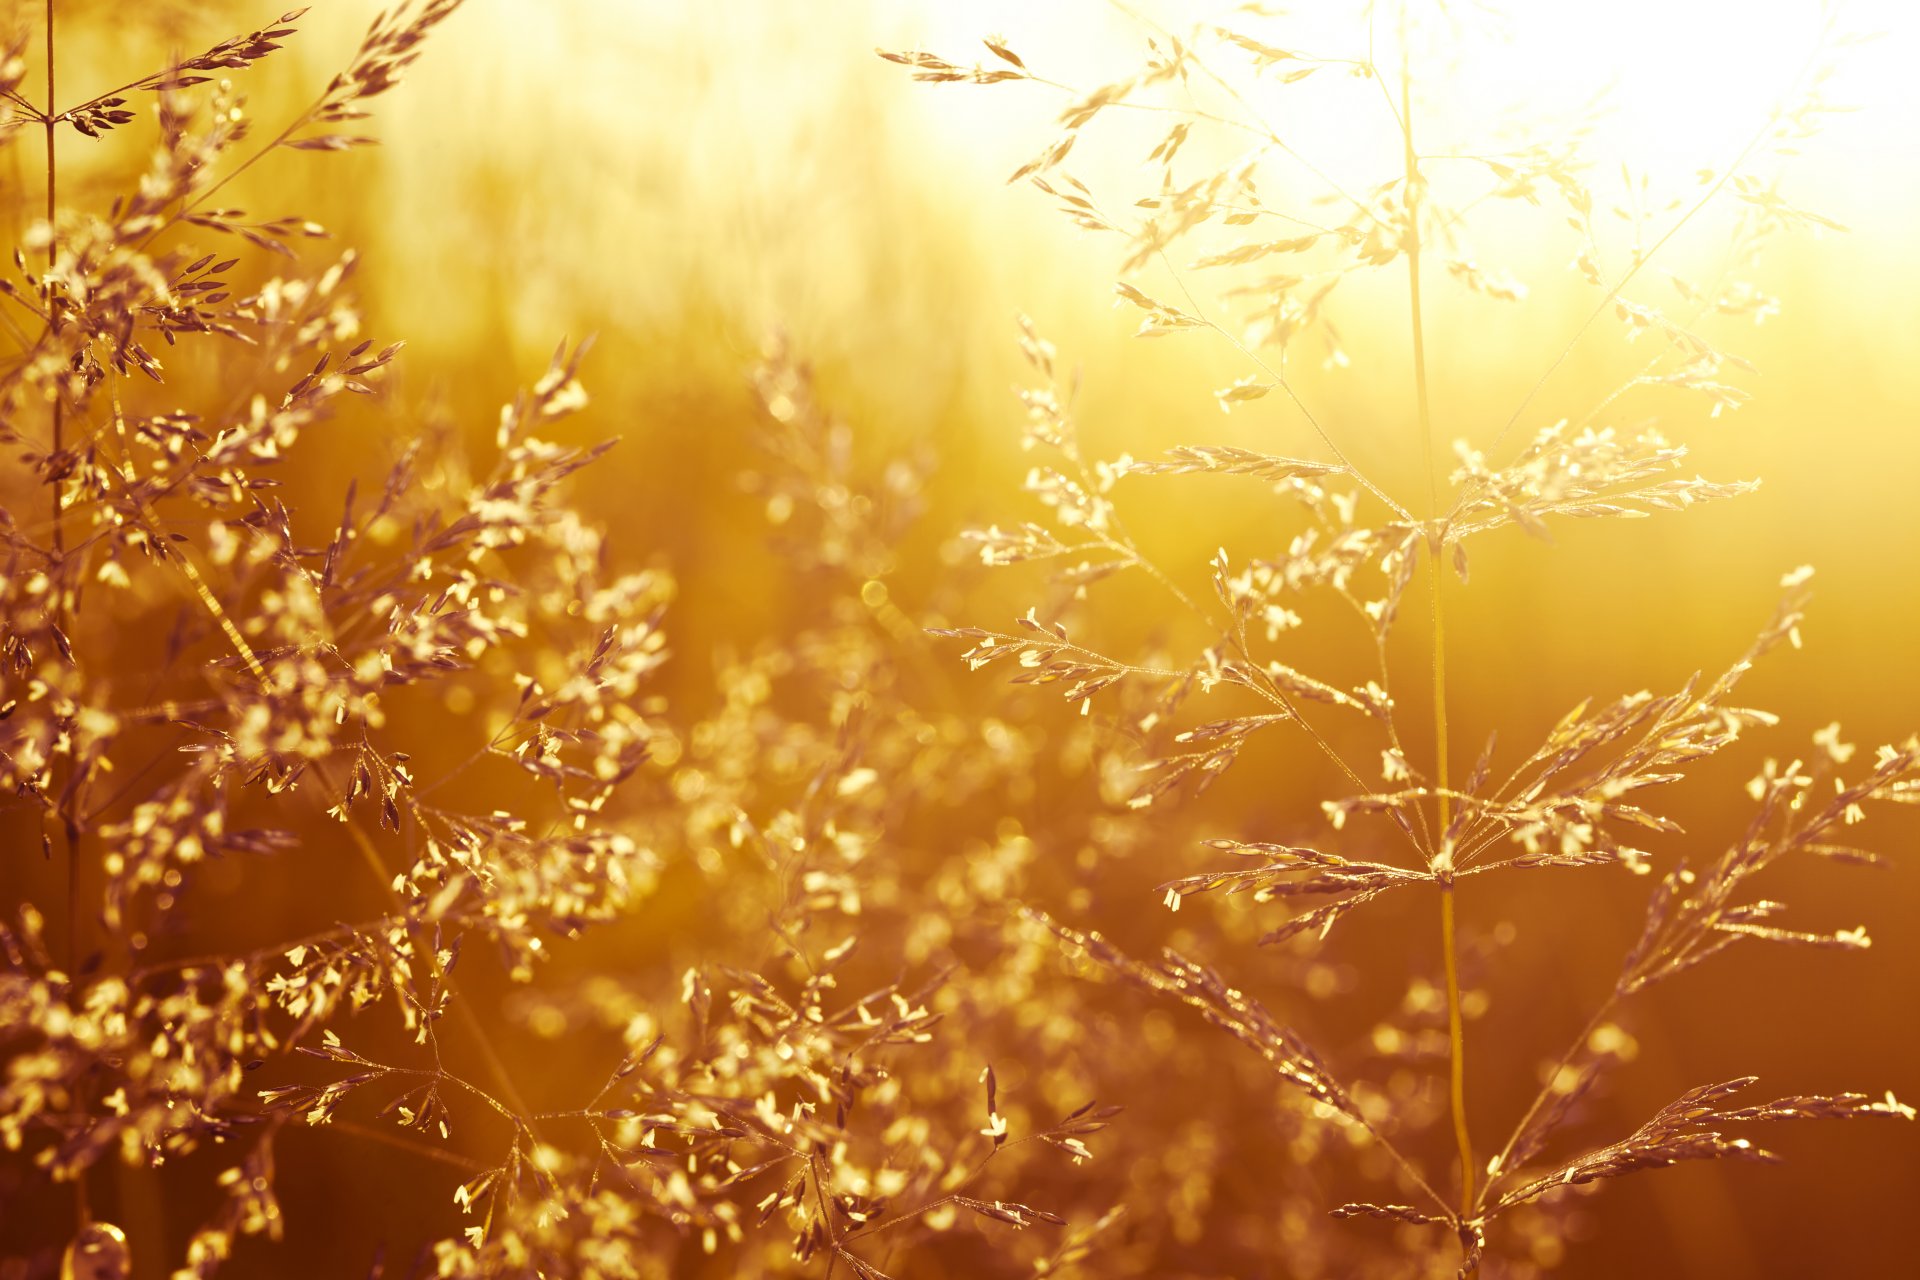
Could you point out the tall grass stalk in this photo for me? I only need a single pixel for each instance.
(1577, 800)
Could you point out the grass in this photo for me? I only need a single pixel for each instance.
(395, 895)
(1565, 806)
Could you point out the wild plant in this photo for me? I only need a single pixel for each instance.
(732, 982)
(195, 673)
(444, 679)
(1288, 237)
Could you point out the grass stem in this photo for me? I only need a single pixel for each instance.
(53, 319)
(1442, 853)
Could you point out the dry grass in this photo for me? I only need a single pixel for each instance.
(1586, 795)
(422, 709)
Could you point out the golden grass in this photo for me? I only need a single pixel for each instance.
(342, 707)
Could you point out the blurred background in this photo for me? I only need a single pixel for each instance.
(682, 179)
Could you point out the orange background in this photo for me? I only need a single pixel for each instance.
(679, 179)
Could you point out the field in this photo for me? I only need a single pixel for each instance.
(916, 640)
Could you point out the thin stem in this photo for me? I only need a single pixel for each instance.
(1274, 694)
(62, 802)
(1641, 259)
(1280, 380)
(53, 321)
(59, 539)
(187, 206)
(1406, 1166)
(1546, 1091)
(1260, 125)
(826, 1216)
(373, 1134)
(1443, 855)
(206, 193)
(496, 1066)
(214, 608)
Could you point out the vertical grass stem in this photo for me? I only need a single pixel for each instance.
(1442, 853)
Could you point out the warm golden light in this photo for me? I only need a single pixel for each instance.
(904, 639)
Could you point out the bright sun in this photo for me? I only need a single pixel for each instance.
(1684, 80)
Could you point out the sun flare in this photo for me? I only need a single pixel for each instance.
(893, 638)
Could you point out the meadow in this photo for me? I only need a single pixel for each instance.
(544, 547)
